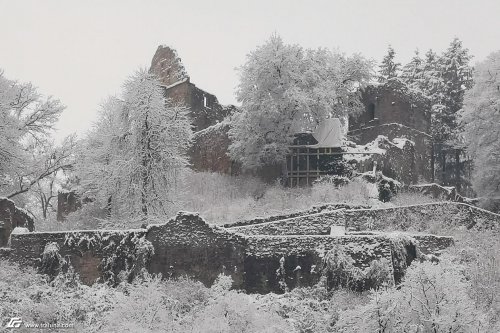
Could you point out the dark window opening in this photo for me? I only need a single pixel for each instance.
(371, 111)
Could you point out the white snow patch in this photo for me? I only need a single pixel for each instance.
(401, 142)
(19, 231)
(51, 248)
(176, 83)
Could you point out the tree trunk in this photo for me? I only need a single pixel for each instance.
(457, 170)
(432, 162)
(108, 206)
(145, 167)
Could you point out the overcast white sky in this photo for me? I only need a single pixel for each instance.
(82, 51)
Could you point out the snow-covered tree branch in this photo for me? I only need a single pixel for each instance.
(132, 157)
(286, 88)
(480, 118)
(27, 155)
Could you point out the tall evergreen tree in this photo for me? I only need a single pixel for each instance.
(456, 73)
(389, 68)
(411, 73)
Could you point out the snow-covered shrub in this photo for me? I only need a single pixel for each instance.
(404, 250)
(432, 298)
(51, 263)
(225, 199)
(339, 268)
(222, 284)
(153, 305)
(32, 297)
(312, 309)
(220, 198)
(478, 253)
(236, 312)
(387, 187)
(356, 191)
(142, 307)
(126, 259)
(332, 179)
(379, 274)
(124, 255)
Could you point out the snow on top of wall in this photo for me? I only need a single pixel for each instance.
(19, 230)
(176, 83)
(5, 198)
(364, 152)
(448, 189)
(225, 122)
(393, 125)
(372, 147)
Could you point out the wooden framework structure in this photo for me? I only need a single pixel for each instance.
(305, 164)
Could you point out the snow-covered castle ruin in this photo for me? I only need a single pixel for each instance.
(273, 254)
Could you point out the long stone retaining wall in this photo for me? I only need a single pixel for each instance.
(422, 217)
(188, 246)
(263, 256)
(416, 218)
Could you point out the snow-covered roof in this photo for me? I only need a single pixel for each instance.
(328, 134)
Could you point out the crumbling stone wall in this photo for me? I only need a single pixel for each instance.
(10, 218)
(393, 102)
(209, 151)
(432, 244)
(410, 165)
(272, 262)
(187, 245)
(421, 217)
(414, 218)
(167, 65)
(312, 224)
(95, 255)
(394, 111)
(204, 107)
(67, 202)
(279, 263)
(313, 210)
(436, 191)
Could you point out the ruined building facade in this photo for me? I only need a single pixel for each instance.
(391, 111)
(392, 135)
(395, 112)
(394, 130)
(204, 107)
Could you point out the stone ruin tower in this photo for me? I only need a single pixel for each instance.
(204, 107)
(167, 65)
